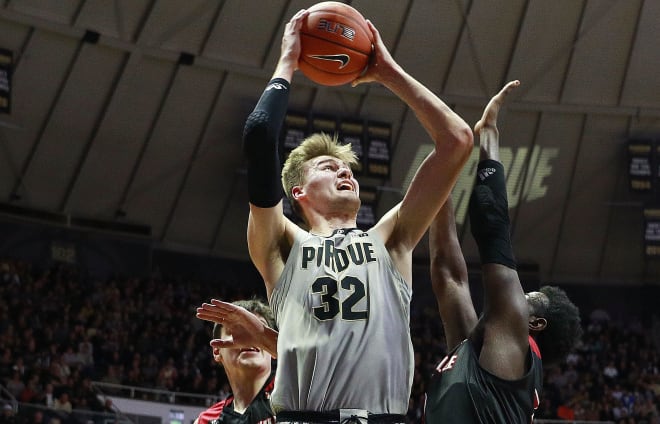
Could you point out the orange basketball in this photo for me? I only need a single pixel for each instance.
(336, 44)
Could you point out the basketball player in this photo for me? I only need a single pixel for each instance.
(341, 296)
(249, 373)
(493, 372)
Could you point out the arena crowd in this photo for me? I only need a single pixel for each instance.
(61, 330)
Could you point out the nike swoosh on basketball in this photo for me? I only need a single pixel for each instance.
(343, 58)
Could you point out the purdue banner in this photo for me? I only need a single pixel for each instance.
(378, 153)
(640, 165)
(324, 123)
(352, 132)
(652, 232)
(367, 214)
(294, 131)
(6, 64)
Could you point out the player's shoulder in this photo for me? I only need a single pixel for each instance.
(213, 412)
(384, 228)
(294, 233)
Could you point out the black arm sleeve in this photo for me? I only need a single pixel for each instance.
(260, 140)
(489, 215)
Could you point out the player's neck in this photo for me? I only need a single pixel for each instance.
(324, 226)
(323, 219)
(245, 388)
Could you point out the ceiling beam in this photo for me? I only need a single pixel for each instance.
(251, 71)
(120, 209)
(98, 123)
(567, 198)
(25, 167)
(631, 49)
(190, 163)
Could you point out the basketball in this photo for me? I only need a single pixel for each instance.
(336, 44)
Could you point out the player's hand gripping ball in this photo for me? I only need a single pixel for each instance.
(336, 44)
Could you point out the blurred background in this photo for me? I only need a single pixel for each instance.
(121, 165)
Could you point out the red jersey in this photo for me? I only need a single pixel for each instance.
(258, 412)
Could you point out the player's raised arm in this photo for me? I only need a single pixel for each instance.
(451, 135)
(267, 225)
(449, 277)
(504, 325)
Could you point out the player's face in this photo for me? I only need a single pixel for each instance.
(251, 357)
(329, 180)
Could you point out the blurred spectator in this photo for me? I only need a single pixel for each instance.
(31, 391)
(62, 403)
(71, 358)
(86, 352)
(59, 371)
(599, 316)
(6, 359)
(15, 385)
(19, 367)
(84, 397)
(37, 417)
(610, 371)
(8, 415)
(48, 396)
(167, 376)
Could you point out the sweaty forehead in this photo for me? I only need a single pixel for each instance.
(324, 159)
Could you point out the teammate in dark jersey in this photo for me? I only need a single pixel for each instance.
(249, 371)
(493, 372)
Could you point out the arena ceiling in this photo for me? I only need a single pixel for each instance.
(130, 112)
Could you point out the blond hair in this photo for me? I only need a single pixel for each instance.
(318, 144)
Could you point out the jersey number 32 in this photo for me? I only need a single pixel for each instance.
(352, 292)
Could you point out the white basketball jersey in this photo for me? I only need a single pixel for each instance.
(343, 312)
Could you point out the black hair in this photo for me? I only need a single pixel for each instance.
(256, 306)
(563, 329)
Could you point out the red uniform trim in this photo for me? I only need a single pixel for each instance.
(214, 411)
(534, 346)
